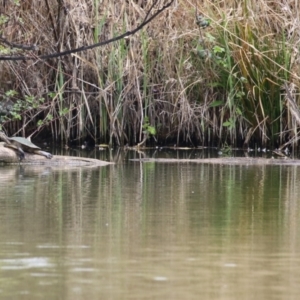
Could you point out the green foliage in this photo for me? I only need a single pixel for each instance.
(3, 20)
(247, 70)
(14, 108)
(226, 149)
(64, 111)
(202, 22)
(260, 70)
(11, 93)
(203, 78)
(216, 103)
(148, 128)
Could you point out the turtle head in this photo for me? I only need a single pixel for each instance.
(3, 136)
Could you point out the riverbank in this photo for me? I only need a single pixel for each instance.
(216, 74)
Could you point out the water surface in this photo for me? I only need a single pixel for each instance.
(150, 231)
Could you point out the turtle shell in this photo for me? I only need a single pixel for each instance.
(23, 142)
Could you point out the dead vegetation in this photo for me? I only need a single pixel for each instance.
(197, 85)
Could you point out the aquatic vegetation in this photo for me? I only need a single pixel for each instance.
(206, 74)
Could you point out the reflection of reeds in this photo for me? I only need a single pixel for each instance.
(191, 84)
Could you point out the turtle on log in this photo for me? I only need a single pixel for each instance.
(23, 145)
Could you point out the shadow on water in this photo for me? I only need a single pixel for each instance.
(149, 231)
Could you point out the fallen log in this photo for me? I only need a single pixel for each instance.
(226, 161)
(9, 156)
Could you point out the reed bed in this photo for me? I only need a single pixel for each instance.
(177, 80)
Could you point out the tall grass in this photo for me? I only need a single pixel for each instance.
(201, 86)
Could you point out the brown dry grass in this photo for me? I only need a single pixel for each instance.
(156, 75)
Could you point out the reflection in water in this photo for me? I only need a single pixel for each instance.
(24, 263)
(153, 231)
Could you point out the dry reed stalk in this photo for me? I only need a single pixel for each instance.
(108, 92)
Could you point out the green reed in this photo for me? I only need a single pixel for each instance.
(198, 85)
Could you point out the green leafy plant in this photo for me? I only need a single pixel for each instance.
(147, 128)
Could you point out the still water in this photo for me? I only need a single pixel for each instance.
(150, 231)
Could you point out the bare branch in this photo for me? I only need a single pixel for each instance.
(147, 20)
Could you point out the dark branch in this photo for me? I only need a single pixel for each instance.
(83, 48)
(19, 46)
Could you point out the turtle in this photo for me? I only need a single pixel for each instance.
(23, 145)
